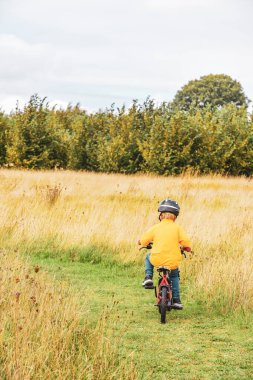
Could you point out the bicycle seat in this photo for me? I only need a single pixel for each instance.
(163, 269)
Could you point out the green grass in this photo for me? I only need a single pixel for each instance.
(194, 344)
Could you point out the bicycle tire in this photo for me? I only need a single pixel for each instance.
(163, 305)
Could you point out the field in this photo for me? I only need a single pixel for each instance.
(71, 272)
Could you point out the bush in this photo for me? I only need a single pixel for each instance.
(142, 138)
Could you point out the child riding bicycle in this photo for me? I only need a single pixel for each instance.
(167, 237)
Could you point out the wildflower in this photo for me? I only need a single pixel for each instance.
(17, 295)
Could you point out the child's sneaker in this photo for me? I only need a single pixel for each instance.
(147, 281)
(177, 304)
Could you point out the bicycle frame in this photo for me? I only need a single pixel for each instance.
(163, 292)
(164, 282)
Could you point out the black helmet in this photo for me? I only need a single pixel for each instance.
(169, 206)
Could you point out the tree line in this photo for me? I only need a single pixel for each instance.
(162, 139)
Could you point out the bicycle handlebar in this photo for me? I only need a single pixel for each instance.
(183, 251)
(149, 246)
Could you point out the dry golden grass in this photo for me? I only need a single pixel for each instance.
(73, 209)
(44, 334)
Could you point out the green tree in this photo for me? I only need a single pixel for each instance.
(117, 147)
(3, 137)
(213, 90)
(35, 141)
(70, 123)
(119, 141)
(142, 138)
(85, 141)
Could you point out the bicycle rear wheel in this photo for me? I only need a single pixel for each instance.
(163, 305)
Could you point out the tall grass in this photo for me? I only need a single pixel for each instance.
(69, 211)
(43, 333)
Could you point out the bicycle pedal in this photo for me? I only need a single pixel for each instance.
(176, 307)
(149, 287)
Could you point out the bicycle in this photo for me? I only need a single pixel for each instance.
(163, 291)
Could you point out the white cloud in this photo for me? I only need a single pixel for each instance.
(177, 5)
(8, 103)
(20, 58)
(98, 52)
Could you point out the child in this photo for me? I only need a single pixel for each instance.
(167, 237)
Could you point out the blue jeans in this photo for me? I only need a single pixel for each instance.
(174, 276)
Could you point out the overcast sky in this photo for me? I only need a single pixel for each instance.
(101, 52)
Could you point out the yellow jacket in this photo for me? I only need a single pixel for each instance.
(167, 237)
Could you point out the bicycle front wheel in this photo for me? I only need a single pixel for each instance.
(163, 305)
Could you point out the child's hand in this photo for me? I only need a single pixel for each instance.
(187, 249)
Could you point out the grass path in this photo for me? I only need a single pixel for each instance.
(192, 345)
